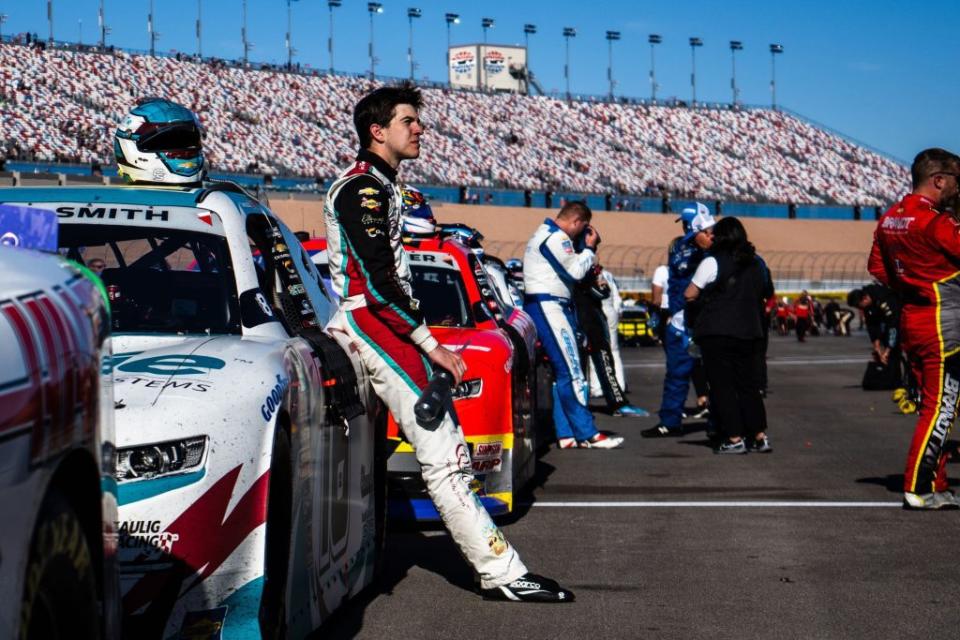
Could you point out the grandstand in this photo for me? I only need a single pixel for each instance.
(63, 105)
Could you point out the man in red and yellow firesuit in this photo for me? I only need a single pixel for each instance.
(916, 251)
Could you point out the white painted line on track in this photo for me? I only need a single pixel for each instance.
(766, 504)
(771, 363)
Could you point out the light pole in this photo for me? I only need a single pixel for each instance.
(154, 36)
(199, 29)
(80, 31)
(654, 39)
(290, 50)
(774, 50)
(3, 18)
(332, 4)
(611, 37)
(568, 32)
(528, 30)
(735, 45)
(452, 18)
(694, 43)
(247, 45)
(102, 23)
(486, 23)
(50, 18)
(373, 8)
(412, 13)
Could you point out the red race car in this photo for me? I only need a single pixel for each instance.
(496, 404)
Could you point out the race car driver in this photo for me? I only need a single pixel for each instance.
(552, 266)
(916, 252)
(369, 270)
(160, 142)
(683, 259)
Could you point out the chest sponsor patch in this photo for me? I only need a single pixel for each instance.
(893, 223)
(369, 191)
(370, 203)
(567, 246)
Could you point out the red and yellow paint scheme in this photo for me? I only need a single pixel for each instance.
(496, 402)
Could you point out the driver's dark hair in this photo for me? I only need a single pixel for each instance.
(930, 162)
(380, 105)
(855, 297)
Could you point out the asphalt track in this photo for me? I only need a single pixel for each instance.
(664, 539)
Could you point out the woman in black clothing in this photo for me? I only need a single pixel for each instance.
(725, 308)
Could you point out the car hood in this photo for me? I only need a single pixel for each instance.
(174, 387)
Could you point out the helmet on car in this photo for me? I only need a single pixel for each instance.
(416, 215)
(160, 142)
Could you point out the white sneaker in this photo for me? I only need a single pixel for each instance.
(567, 443)
(602, 441)
(930, 501)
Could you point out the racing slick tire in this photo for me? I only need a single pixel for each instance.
(60, 588)
(273, 605)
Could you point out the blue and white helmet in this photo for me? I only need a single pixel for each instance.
(416, 215)
(160, 142)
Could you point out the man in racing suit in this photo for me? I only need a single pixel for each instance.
(370, 272)
(916, 252)
(684, 257)
(552, 266)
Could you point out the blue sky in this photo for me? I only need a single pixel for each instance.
(876, 71)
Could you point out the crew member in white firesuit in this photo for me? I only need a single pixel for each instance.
(551, 267)
(369, 270)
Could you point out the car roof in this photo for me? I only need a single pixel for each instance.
(156, 196)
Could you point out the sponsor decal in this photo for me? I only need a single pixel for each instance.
(463, 457)
(422, 257)
(369, 191)
(274, 399)
(168, 365)
(370, 203)
(296, 290)
(948, 410)
(462, 62)
(487, 457)
(152, 383)
(495, 540)
(264, 306)
(374, 232)
(567, 246)
(159, 174)
(369, 220)
(897, 224)
(113, 213)
(493, 62)
(147, 537)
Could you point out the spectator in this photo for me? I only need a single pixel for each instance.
(725, 306)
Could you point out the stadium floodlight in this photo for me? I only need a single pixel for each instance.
(774, 50)
(102, 23)
(735, 45)
(452, 19)
(247, 45)
(199, 29)
(612, 36)
(412, 13)
(528, 30)
(50, 18)
(332, 4)
(154, 36)
(486, 23)
(694, 43)
(568, 32)
(3, 18)
(80, 31)
(654, 39)
(290, 50)
(373, 8)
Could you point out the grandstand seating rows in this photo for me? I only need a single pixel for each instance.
(64, 105)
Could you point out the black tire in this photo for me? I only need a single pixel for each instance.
(60, 587)
(273, 604)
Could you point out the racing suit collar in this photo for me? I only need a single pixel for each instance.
(365, 155)
(551, 224)
(920, 199)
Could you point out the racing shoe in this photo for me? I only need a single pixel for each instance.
(567, 443)
(937, 501)
(602, 441)
(662, 431)
(630, 411)
(529, 588)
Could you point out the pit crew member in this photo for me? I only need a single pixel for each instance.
(683, 259)
(369, 270)
(551, 268)
(916, 252)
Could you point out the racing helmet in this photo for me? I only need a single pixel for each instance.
(466, 234)
(416, 216)
(514, 266)
(160, 142)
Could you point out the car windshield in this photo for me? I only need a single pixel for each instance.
(159, 280)
(443, 298)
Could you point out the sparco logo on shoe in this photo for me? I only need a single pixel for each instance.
(523, 584)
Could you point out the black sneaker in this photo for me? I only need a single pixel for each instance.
(731, 448)
(529, 588)
(761, 445)
(662, 431)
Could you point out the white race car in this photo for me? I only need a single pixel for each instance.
(58, 572)
(250, 452)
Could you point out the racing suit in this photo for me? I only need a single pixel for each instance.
(551, 267)
(369, 270)
(916, 252)
(588, 298)
(681, 263)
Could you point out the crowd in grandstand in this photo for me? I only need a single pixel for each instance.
(60, 105)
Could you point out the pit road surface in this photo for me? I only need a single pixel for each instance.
(664, 539)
